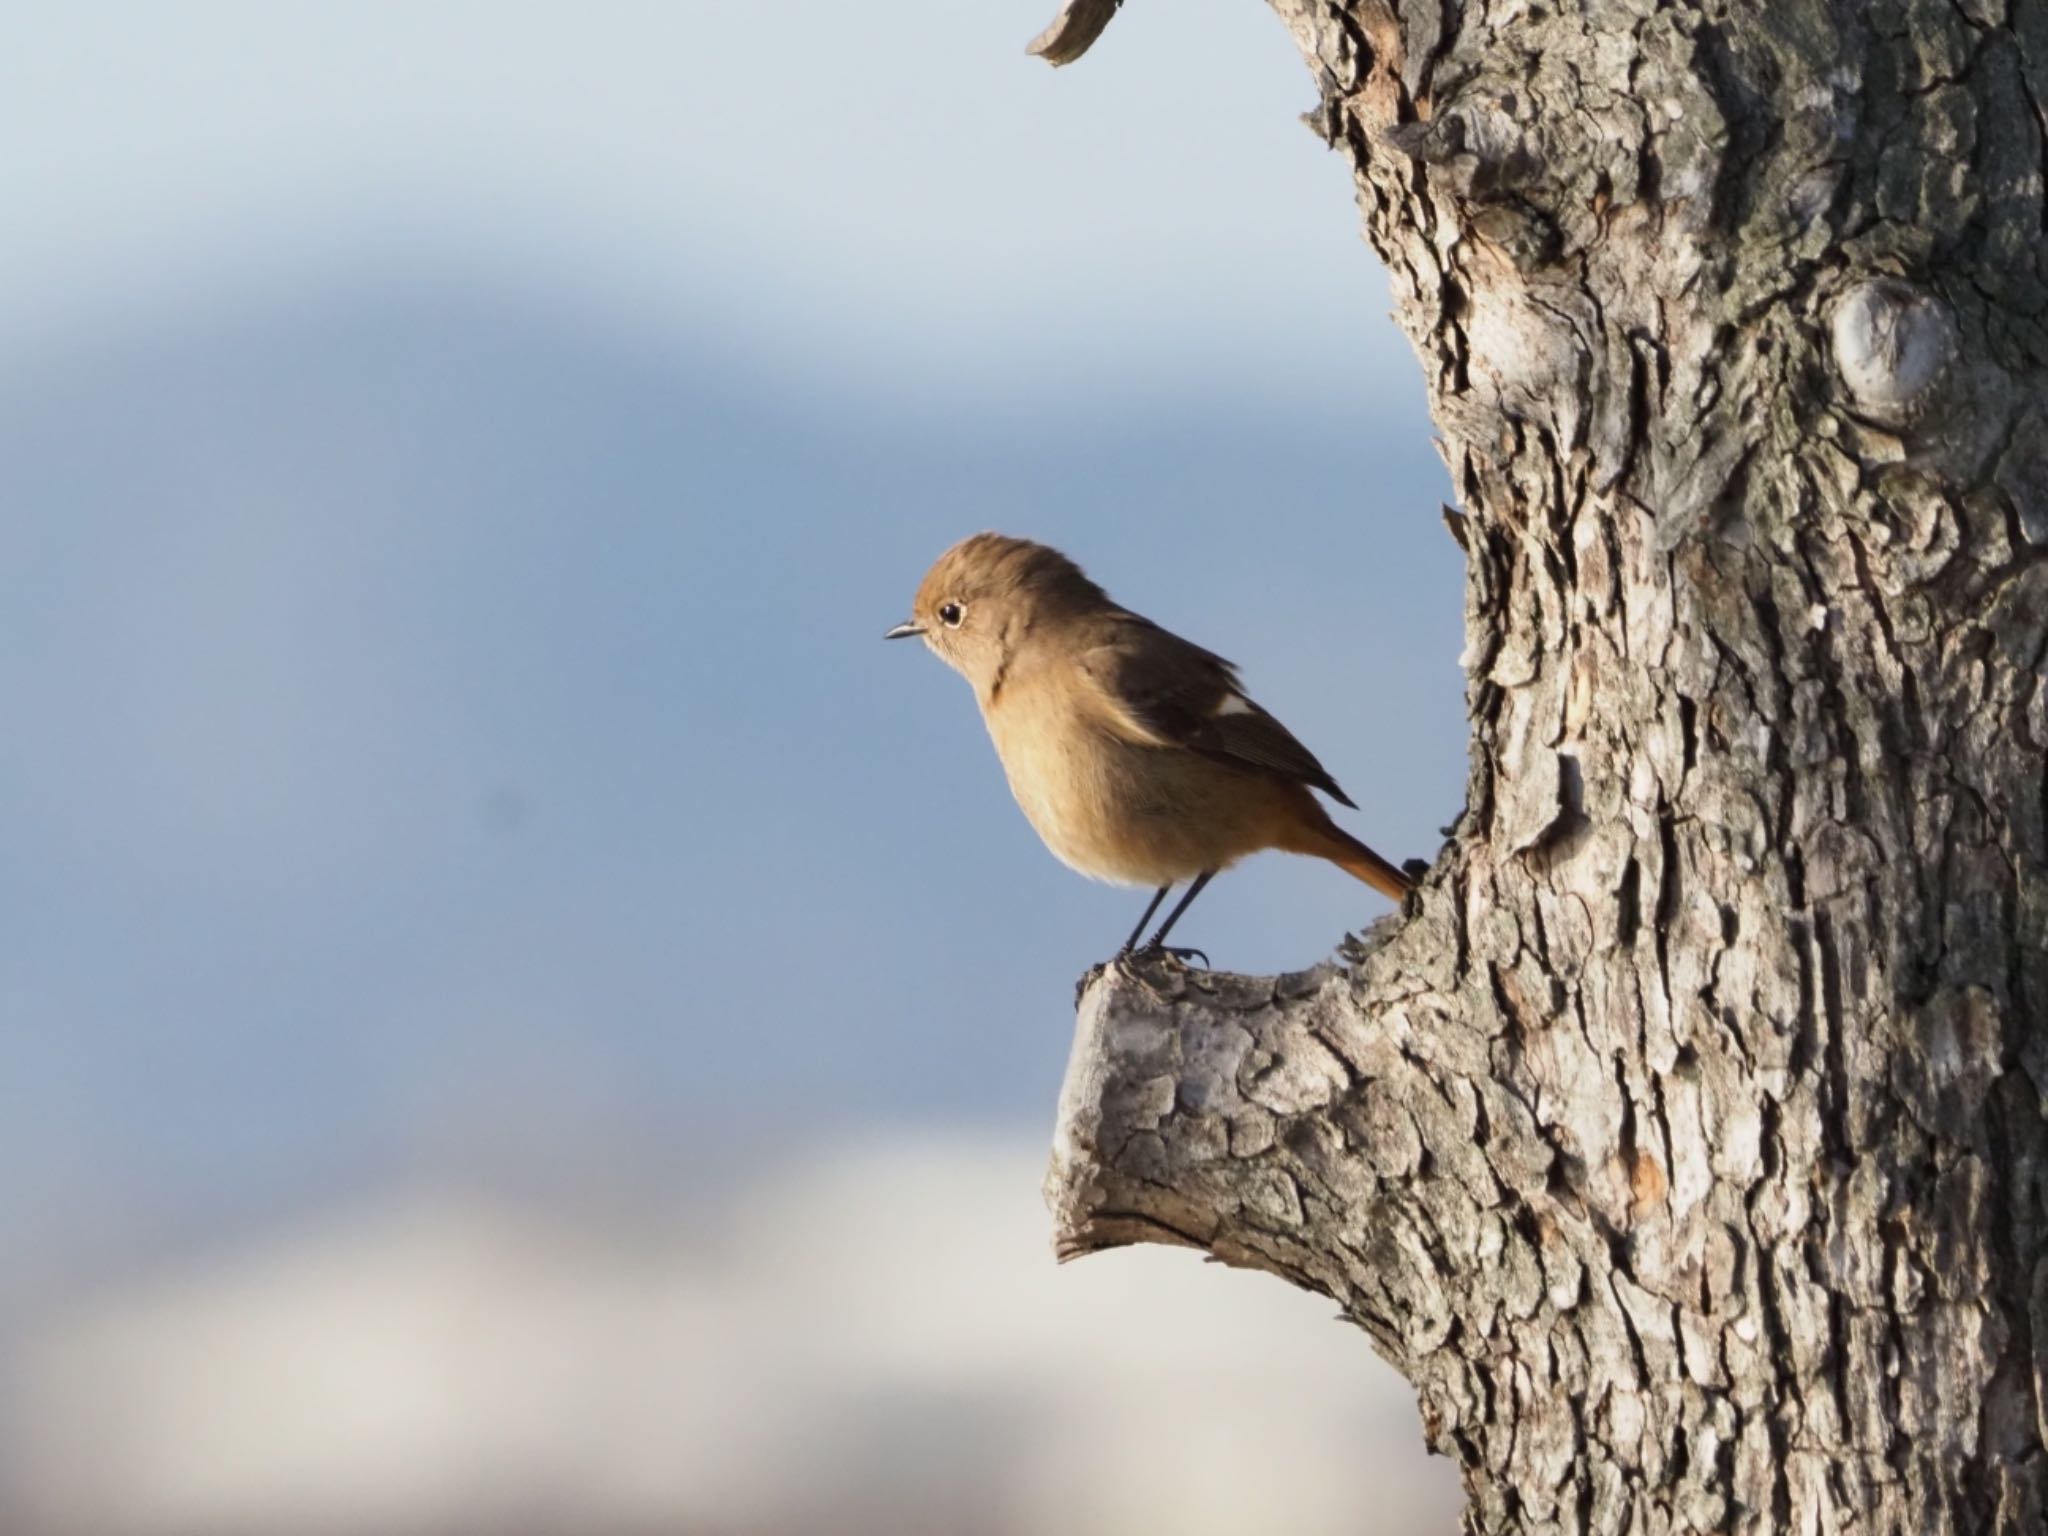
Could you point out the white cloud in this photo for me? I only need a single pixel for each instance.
(874, 1339)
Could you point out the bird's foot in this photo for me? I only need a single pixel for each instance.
(1133, 962)
(1126, 958)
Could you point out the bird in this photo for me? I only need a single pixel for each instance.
(1137, 756)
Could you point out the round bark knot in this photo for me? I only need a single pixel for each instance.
(1893, 342)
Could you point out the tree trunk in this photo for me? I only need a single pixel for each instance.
(1684, 1141)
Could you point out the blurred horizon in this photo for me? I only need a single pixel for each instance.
(491, 925)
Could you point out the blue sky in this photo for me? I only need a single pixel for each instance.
(460, 462)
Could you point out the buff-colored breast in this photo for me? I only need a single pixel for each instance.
(1114, 809)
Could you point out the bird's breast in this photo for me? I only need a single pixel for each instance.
(1111, 809)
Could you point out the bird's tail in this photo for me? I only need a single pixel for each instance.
(1318, 835)
(1354, 858)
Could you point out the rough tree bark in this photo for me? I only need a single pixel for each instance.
(1684, 1142)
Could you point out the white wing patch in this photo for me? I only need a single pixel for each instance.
(1234, 704)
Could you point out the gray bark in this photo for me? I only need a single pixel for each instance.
(1684, 1142)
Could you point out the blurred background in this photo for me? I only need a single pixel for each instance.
(518, 1012)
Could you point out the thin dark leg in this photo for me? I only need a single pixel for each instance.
(1132, 942)
(1158, 940)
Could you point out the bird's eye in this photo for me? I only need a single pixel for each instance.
(950, 614)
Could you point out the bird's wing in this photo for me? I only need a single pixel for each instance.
(1165, 691)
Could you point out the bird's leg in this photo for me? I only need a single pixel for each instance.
(1157, 897)
(1158, 940)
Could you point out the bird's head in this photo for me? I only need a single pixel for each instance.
(982, 597)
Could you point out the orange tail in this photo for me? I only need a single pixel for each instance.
(1354, 858)
(1315, 833)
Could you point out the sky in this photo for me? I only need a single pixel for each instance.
(467, 837)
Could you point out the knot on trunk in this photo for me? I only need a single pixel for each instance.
(1893, 345)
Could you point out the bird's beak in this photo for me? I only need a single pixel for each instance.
(905, 630)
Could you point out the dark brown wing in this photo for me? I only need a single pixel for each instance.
(1171, 692)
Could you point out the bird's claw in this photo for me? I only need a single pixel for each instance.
(1186, 956)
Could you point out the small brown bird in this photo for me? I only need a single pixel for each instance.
(1136, 755)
